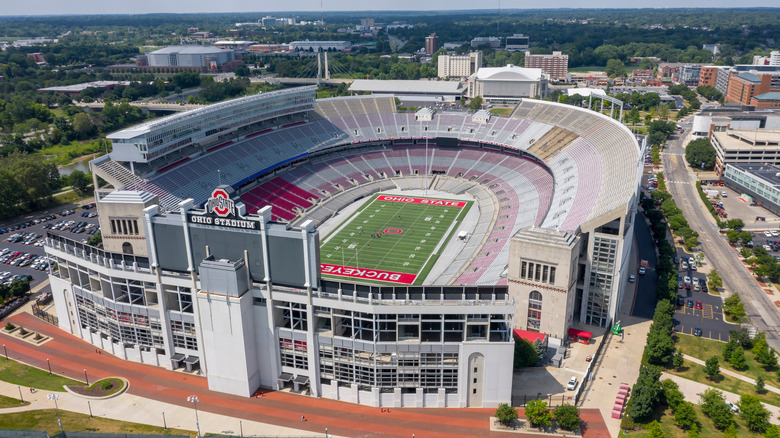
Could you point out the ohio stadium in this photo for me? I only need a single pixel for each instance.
(339, 248)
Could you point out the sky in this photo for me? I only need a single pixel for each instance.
(78, 7)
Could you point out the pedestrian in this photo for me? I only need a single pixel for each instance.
(302, 418)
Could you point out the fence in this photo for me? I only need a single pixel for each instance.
(40, 313)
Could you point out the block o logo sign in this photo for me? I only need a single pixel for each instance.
(221, 204)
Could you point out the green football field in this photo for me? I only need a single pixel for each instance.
(392, 239)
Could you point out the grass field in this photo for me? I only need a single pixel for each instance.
(17, 373)
(413, 232)
(47, 420)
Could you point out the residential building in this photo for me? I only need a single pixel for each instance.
(556, 66)
(689, 74)
(431, 44)
(459, 66)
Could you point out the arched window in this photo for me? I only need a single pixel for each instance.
(127, 248)
(534, 311)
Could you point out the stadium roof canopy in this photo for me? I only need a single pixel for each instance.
(439, 88)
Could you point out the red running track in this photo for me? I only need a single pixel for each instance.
(70, 355)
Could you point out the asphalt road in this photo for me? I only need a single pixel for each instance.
(645, 300)
(681, 184)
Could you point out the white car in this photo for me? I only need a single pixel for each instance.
(687, 280)
(691, 261)
(572, 384)
(685, 265)
(724, 195)
(732, 406)
(775, 233)
(768, 233)
(767, 247)
(642, 270)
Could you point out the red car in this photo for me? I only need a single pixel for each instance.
(698, 304)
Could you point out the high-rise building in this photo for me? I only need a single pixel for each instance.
(517, 42)
(555, 65)
(459, 66)
(431, 44)
(748, 84)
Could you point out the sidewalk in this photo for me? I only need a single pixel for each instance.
(732, 374)
(691, 391)
(154, 390)
(135, 409)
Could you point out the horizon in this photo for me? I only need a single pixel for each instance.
(146, 7)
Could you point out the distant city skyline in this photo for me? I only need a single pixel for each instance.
(79, 7)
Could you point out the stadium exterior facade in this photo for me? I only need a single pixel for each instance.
(196, 272)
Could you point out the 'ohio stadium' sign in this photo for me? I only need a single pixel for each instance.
(221, 211)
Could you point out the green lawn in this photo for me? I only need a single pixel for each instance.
(412, 235)
(706, 428)
(696, 373)
(47, 420)
(10, 402)
(704, 349)
(17, 373)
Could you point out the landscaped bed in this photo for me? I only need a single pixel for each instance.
(102, 388)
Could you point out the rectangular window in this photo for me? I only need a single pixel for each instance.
(544, 274)
(523, 267)
(552, 275)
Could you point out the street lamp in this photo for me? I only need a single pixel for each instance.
(194, 399)
(85, 376)
(59, 419)
(49, 365)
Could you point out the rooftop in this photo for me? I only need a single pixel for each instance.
(772, 95)
(187, 50)
(748, 76)
(769, 173)
(508, 73)
(128, 197)
(739, 139)
(81, 87)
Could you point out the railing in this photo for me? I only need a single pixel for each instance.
(87, 252)
(40, 313)
(552, 400)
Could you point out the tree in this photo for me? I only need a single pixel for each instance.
(82, 125)
(714, 406)
(755, 414)
(506, 414)
(615, 68)
(568, 417)
(685, 415)
(698, 152)
(655, 430)
(772, 431)
(733, 236)
(764, 355)
(645, 393)
(476, 103)
(242, 70)
(538, 414)
(737, 359)
(672, 394)
(714, 279)
(79, 181)
(729, 347)
(678, 360)
(525, 354)
(745, 237)
(540, 350)
(734, 308)
(760, 384)
(95, 239)
(712, 368)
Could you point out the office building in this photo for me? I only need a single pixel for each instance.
(431, 44)
(517, 42)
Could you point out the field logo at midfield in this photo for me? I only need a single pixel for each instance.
(221, 204)
(393, 231)
(368, 274)
(440, 202)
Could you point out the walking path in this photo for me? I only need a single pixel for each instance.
(732, 374)
(691, 391)
(154, 390)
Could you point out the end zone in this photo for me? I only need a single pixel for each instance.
(370, 274)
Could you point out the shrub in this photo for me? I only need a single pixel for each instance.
(107, 385)
(568, 417)
(23, 331)
(38, 337)
(9, 326)
(538, 414)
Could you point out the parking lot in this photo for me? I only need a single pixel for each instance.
(736, 208)
(696, 308)
(21, 247)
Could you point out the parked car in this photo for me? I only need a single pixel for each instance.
(689, 304)
(572, 383)
(698, 304)
(697, 331)
(680, 301)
